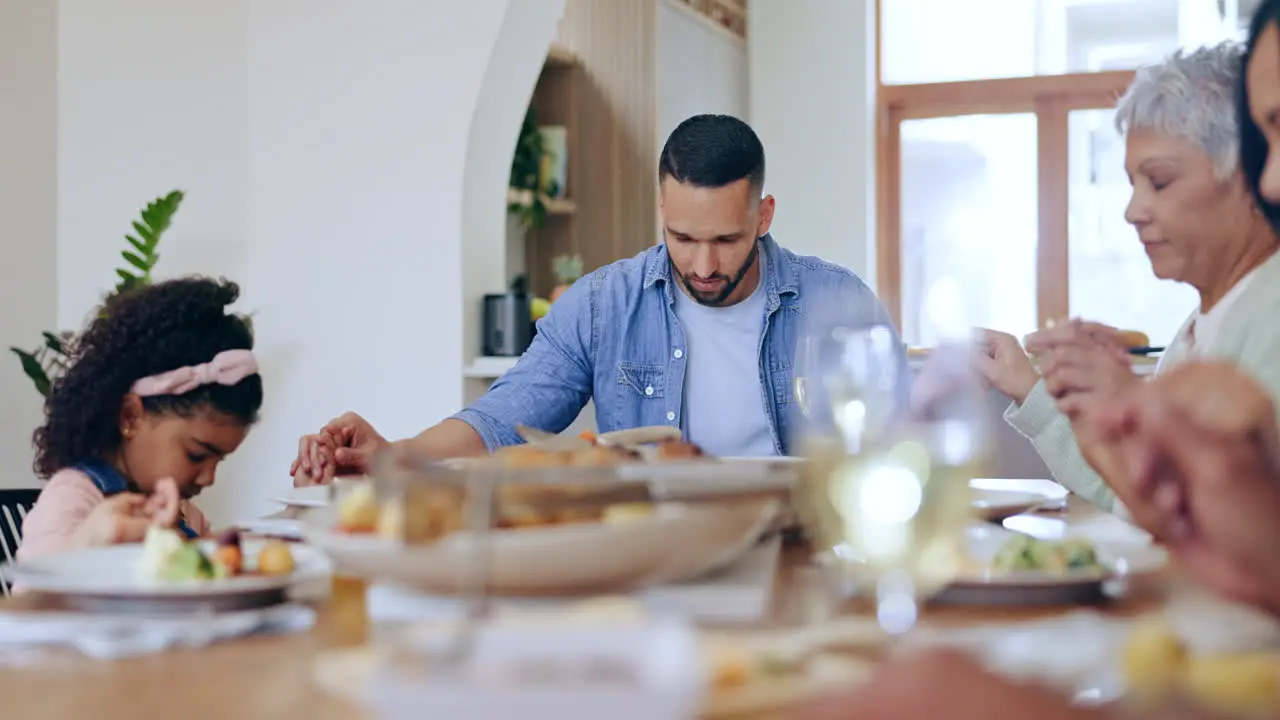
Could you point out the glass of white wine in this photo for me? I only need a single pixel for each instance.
(886, 490)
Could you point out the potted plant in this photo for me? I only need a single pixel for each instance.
(46, 363)
(526, 197)
(567, 269)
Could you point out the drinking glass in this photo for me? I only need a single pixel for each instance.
(886, 489)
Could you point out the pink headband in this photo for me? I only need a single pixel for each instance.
(226, 368)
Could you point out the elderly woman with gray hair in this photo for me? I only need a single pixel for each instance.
(1199, 224)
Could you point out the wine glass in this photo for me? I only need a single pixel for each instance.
(886, 489)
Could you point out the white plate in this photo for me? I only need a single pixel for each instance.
(996, 505)
(284, 528)
(313, 496)
(677, 543)
(110, 572)
(979, 586)
(316, 496)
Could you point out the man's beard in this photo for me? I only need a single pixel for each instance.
(731, 283)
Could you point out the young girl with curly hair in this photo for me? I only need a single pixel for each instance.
(162, 386)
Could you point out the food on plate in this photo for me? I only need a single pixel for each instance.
(1022, 553)
(169, 557)
(678, 450)
(596, 454)
(628, 512)
(1152, 660)
(228, 553)
(1133, 339)
(425, 514)
(275, 558)
(1157, 665)
(358, 510)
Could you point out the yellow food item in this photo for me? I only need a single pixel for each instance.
(730, 666)
(358, 510)
(1153, 660)
(626, 512)
(1134, 339)
(229, 557)
(1157, 666)
(1247, 684)
(275, 558)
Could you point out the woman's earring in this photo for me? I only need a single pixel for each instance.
(127, 433)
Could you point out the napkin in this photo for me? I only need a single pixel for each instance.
(108, 637)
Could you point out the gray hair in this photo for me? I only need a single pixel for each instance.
(1191, 95)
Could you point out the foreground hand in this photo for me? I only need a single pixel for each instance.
(125, 517)
(354, 442)
(1202, 455)
(1082, 362)
(1000, 360)
(947, 685)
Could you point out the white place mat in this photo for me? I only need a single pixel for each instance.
(739, 594)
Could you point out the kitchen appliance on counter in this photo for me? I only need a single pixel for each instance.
(508, 322)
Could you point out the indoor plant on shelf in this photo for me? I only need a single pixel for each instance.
(528, 187)
(567, 269)
(48, 361)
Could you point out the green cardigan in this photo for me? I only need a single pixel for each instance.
(1249, 336)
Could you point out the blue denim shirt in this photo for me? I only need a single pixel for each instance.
(614, 337)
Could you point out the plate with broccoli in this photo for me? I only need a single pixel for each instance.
(168, 566)
(1005, 567)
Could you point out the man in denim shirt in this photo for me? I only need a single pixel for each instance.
(698, 332)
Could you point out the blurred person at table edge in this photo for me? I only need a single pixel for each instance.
(1197, 447)
(1202, 440)
(1199, 224)
(697, 332)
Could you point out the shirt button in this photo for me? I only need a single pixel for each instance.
(678, 353)
(648, 390)
(671, 415)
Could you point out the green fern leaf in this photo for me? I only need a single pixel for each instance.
(138, 262)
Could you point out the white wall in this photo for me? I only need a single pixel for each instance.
(28, 110)
(322, 146)
(701, 68)
(812, 102)
(493, 250)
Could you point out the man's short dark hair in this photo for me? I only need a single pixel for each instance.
(712, 151)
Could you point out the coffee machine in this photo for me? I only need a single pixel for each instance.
(508, 322)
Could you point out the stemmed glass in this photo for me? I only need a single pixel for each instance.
(885, 493)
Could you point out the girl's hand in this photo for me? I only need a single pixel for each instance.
(316, 464)
(125, 517)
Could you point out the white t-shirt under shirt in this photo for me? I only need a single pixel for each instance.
(724, 405)
(1200, 329)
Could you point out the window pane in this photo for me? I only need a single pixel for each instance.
(968, 207)
(1111, 278)
(949, 40)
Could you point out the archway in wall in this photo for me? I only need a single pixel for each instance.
(528, 29)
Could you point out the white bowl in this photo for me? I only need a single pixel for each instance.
(678, 542)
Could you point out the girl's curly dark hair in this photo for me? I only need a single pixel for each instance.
(139, 333)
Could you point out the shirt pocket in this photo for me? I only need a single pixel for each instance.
(640, 380)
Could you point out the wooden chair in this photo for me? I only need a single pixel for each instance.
(14, 505)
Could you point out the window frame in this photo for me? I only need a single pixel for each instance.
(1051, 98)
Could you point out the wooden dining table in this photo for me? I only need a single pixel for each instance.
(271, 676)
